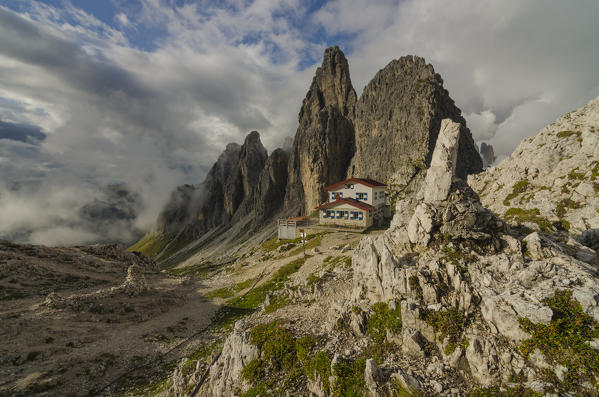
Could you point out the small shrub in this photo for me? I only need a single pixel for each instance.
(276, 344)
(350, 378)
(449, 323)
(253, 371)
(320, 364)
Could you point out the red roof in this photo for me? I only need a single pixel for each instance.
(353, 202)
(364, 181)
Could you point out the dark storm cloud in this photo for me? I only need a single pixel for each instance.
(21, 132)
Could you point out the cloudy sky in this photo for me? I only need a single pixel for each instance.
(148, 92)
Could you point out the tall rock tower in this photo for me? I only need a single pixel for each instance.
(397, 120)
(324, 141)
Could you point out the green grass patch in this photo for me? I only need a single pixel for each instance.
(450, 324)
(249, 302)
(337, 261)
(284, 361)
(197, 270)
(520, 216)
(350, 378)
(573, 175)
(518, 188)
(311, 243)
(227, 292)
(382, 320)
(564, 341)
(150, 245)
(564, 205)
(567, 134)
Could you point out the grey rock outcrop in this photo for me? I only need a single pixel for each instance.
(324, 141)
(448, 204)
(237, 352)
(397, 119)
(487, 154)
(464, 261)
(552, 178)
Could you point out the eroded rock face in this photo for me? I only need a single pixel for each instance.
(451, 255)
(397, 119)
(225, 374)
(270, 191)
(232, 179)
(324, 141)
(553, 176)
(266, 199)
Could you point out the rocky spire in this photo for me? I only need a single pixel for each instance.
(487, 154)
(324, 141)
(231, 180)
(397, 120)
(447, 203)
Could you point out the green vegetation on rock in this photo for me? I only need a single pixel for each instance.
(150, 245)
(251, 300)
(520, 216)
(227, 292)
(284, 360)
(565, 341)
(349, 378)
(450, 324)
(563, 205)
(567, 134)
(573, 175)
(518, 188)
(382, 320)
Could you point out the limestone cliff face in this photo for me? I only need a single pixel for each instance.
(552, 178)
(244, 177)
(270, 190)
(397, 120)
(231, 180)
(266, 199)
(324, 141)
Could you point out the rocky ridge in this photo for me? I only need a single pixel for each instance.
(551, 181)
(396, 118)
(448, 301)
